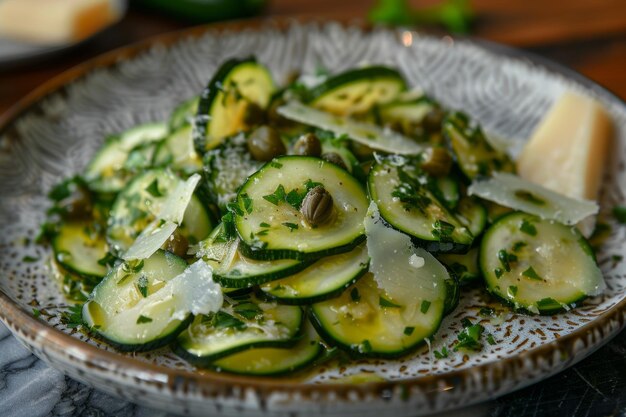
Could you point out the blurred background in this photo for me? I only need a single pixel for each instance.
(42, 38)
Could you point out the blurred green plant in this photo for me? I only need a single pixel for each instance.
(206, 10)
(455, 15)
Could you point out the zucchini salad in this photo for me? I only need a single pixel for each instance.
(263, 229)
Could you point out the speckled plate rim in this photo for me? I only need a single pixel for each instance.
(508, 374)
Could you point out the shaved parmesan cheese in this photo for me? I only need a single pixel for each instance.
(154, 236)
(193, 291)
(407, 274)
(512, 191)
(364, 133)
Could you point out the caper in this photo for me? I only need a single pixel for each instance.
(254, 115)
(432, 120)
(308, 145)
(334, 158)
(177, 244)
(436, 161)
(264, 144)
(317, 206)
(276, 119)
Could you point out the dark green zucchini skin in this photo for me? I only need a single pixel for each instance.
(274, 254)
(145, 347)
(232, 281)
(350, 76)
(207, 361)
(208, 96)
(353, 351)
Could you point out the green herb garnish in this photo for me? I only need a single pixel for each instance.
(354, 295)
(532, 274)
(409, 330)
(290, 226)
(383, 302)
(73, 316)
(142, 286)
(528, 228)
(153, 189)
(143, 319)
(425, 306)
(441, 354)
(529, 197)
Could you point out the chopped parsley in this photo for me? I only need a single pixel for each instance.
(73, 316)
(142, 286)
(276, 164)
(491, 340)
(143, 319)
(441, 354)
(409, 330)
(36, 313)
(153, 189)
(528, 228)
(512, 291)
(519, 245)
(383, 302)
(290, 226)
(469, 337)
(486, 311)
(277, 196)
(263, 224)
(29, 259)
(443, 231)
(425, 306)
(365, 346)
(247, 202)
(354, 295)
(532, 274)
(505, 259)
(222, 320)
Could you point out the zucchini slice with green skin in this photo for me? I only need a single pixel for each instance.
(247, 323)
(472, 214)
(110, 311)
(236, 85)
(362, 133)
(176, 151)
(475, 156)
(365, 323)
(325, 279)
(463, 266)
(78, 247)
(274, 361)
(226, 169)
(139, 204)
(108, 170)
(446, 189)
(234, 270)
(409, 206)
(269, 221)
(537, 265)
(406, 112)
(184, 113)
(357, 91)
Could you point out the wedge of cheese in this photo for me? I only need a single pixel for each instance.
(55, 21)
(567, 152)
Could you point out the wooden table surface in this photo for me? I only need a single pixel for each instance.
(588, 36)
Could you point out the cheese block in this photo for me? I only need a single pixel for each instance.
(568, 150)
(55, 21)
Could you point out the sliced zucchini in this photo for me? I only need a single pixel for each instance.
(236, 86)
(463, 266)
(109, 170)
(226, 168)
(122, 310)
(269, 221)
(357, 90)
(244, 324)
(405, 202)
(475, 156)
(184, 114)
(365, 322)
(472, 214)
(349, 160)
(139, 204)
(325, 279)
(176, 151)
(407, 113)
(274, 361)
(233, 270)
(537, 265)
(368, 134)
(78, 246)
(446, 189)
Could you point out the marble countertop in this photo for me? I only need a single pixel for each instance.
(594, 387)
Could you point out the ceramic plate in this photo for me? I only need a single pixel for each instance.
(53, 132)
